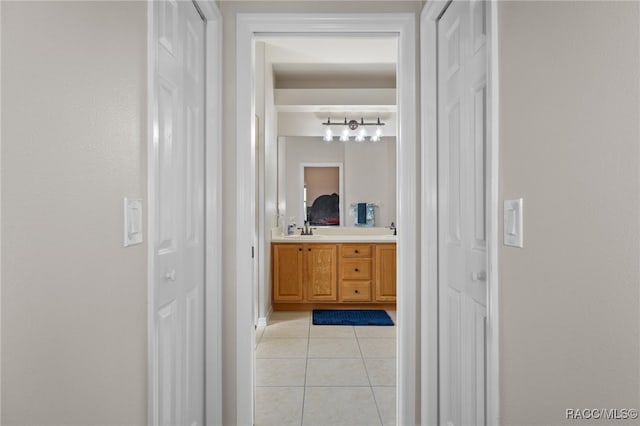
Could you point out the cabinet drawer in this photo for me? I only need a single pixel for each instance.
(355, 291)
(356, 250)
(356, 269)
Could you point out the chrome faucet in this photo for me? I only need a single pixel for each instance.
(393, 227)
(307, 230)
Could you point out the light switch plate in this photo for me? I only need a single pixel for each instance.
(132, 221)
(513, 223)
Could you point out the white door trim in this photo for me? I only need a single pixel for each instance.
(429, 234)
(213, 216)
(402, 25)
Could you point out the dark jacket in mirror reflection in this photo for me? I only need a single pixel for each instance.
(325, 211)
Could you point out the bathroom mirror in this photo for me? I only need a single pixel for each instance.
(322, 190)
(366, 174)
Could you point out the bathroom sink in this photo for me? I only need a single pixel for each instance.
(304, 237)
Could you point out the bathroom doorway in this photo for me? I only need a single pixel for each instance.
(406, 182)
(301, 367)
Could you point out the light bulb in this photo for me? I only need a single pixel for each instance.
(328, 135)
(379, 132)
(361, 134)
(344, 137)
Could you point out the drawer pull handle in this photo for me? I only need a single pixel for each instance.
(357, 270)
(357, 291)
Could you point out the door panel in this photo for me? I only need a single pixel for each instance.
(179, 216)
(462, 211)
(385, 273)
(287, 272)
(322, 278)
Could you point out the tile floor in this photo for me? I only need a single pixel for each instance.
(324, 375)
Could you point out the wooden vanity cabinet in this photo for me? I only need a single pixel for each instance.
(333, 275)
(322, 282)
(304, 272)
(386, 272)
(288, 272)
(355, 272)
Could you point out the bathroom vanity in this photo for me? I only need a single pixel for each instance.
(333, 271)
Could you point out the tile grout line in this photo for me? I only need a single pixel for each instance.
(306, 366)
(373, 395)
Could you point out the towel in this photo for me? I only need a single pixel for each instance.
(362, 213)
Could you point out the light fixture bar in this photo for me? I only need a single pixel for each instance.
(354, 124)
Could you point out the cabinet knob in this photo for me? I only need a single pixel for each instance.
(357, 270)
(357, 291)
(356, 251)
(300, 249)
(309, 249)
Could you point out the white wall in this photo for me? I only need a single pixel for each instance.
(74, 301)
(570, 299)
(270, 182)
(267, 207)
(259, 247)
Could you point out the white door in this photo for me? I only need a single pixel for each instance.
(178, 231)
(462, 87)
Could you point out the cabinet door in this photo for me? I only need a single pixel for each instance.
(385, 272)
(322, 276)
(287, 272)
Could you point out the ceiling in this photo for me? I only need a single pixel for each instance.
(335, 75)
(334, 62)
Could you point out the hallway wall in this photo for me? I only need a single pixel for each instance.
(570, 299)
(74, 317)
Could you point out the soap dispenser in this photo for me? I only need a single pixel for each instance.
(291, 229)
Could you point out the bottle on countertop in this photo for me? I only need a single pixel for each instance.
(291, 229)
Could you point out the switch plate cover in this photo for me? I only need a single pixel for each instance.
(132, 221)
(513, 223)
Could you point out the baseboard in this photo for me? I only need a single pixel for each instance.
(311, 306)
(262, 321)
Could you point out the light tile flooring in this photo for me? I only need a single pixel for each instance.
(324, 375)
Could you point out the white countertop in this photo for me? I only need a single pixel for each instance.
(338, 235)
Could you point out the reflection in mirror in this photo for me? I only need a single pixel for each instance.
(321, 194)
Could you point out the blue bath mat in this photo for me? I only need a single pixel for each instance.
(351, 317)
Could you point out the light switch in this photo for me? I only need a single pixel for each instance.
(132, 221)
(513, 223)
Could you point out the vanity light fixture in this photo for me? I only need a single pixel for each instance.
(353, 125)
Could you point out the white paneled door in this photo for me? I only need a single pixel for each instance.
(462, 95)
(178, 222)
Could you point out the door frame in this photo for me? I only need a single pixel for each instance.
(401, 25)
(213, 210)
(429, 233)
(339, 165)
